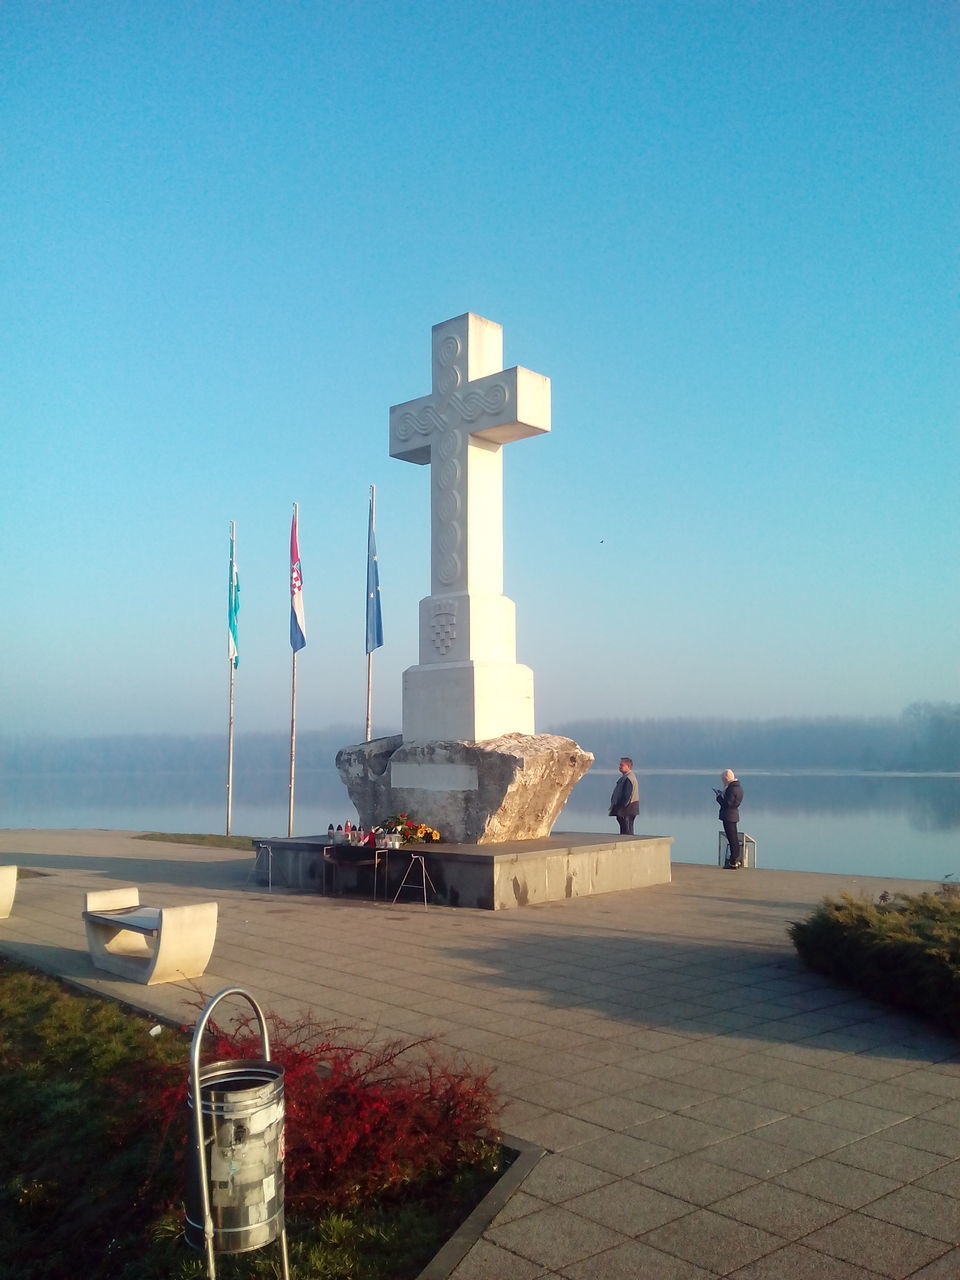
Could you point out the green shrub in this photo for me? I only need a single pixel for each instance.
(903, 949)
(384, 1159)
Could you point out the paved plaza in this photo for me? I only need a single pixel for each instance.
(708, 1107)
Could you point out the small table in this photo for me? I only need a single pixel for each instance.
(358, 855)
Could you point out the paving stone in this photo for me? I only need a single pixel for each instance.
(719, 1084)
(666, 1066)
(693, 1177)
(946, 1267)
(838, 1183)
(712, 1049)
(759, 1159)
(561, 1038)
(667, 1095)
(850, 1039)
(779, 1209)
(712, 1241)
(930, 1081)
(938, 1050)
(655, 1041)
(554, 1237)
(606, 1079)
(796, 1262)
(806, 1135)
(558, 1132)
(752, 1066)
(487, 1261)
(771, 1030)
(945, 1113)
(890, 1250)
(679, 1132)
(621, 1153)
(515, 1113)
(513, 1076)
(921, 1210)
(892, 1159)
(895, 1096)
(946, 1180)
(557, 1178)
(877, 1064)
(559, 1065)
(629, 1207)
(615, 1113)
(609, 1051)
(556, 1095)
(927, 1135)
(857, 1117)
(634, 1261)
(734, 1114)
(517, 1206)
(788, 1099)
(821, 1079)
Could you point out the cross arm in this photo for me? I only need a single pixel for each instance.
(499, 408)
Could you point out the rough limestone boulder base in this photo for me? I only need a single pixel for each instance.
(508, 788)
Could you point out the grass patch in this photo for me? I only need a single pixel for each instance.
(212, 842)
(383, 1158)
(903, 949)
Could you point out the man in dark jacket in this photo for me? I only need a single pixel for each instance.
(729, 800)
(625, 801)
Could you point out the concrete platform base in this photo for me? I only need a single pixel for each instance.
(492, 877)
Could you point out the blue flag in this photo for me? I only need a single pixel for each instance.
(374, 620)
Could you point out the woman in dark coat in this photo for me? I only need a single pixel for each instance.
(729, 800)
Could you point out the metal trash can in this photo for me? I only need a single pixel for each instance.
(748, 849)
(242, 1106)
(234, 1193)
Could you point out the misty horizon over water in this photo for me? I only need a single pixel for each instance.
(854, 823)
(878, 796)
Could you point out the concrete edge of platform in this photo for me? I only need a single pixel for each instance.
(450, 1255)
(491, 877)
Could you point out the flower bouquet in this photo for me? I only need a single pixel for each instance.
(409, 830)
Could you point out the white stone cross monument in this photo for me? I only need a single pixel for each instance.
(468, 686)
(468, 761)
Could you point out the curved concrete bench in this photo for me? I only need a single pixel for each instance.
(148, 944)
(8, 890)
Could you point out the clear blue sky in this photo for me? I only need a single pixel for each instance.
(725, 230)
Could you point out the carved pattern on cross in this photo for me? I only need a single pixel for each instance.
(438, 419)
(473, 401)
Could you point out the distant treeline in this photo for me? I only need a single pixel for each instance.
(254, 753)
(925, 737)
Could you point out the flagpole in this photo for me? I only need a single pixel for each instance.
(298, 639)
(230, 663)
(293, 708)
(293, 739)
(369, 725)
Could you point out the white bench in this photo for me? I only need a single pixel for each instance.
(148, 944)
(8, 890)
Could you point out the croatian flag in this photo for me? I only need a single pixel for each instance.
(298, 629)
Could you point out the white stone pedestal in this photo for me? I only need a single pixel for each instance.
(473, 699)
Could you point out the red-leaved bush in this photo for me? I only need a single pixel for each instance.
(359, 1120)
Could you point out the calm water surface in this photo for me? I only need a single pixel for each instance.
(857, 824)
